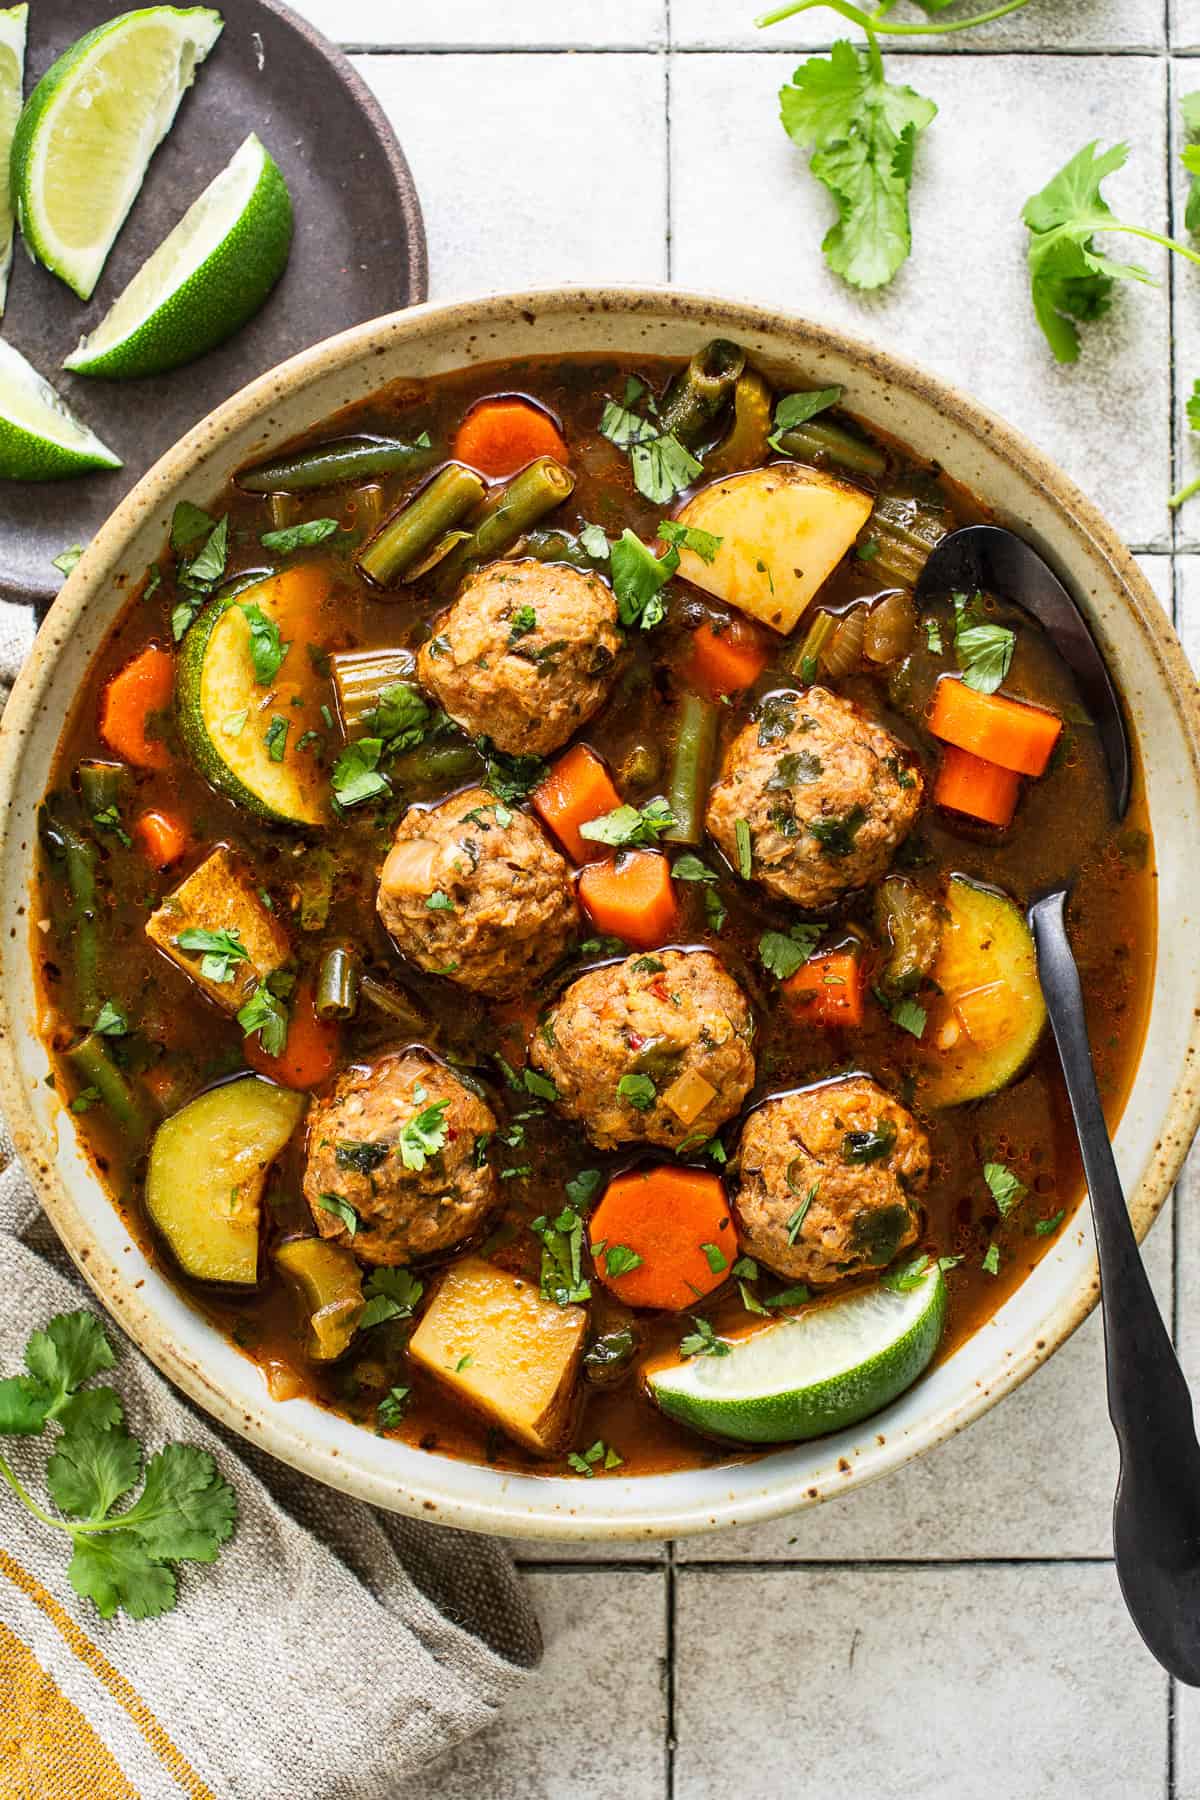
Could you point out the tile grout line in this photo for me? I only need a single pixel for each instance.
(672, 1568)
(1079, 52)
(670, 1672)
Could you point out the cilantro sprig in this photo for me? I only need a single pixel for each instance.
(1071, 281)
(862, 133)
(184, 1512)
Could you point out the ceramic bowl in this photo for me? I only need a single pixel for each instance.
(942, 424)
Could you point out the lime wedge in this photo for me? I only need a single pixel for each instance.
(13, 20)
(835, 1363)
(205, 280)
(40, 439)
(90, 127)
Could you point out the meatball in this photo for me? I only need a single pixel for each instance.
(403, 1143)
(474, 890)
(652, 1050)
(826, 794)
(525, 655)
(827, 1178)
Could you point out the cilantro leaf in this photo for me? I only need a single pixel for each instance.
(619, 1259)
(65, 561)
(703, 1341)
(299, 537)
(265, 1014)
(984, 650)
(561, 1238)
(267, 649)
(662, 466)
(1070, 280)
(401, 716)
(639, 1090)
(186, 1511)
(862, 132)
(115, 1571)
(340, 1209)
(424, 1135)
(24, 1405)
(391, 1294)
(797, 409)
(703, 544)
(510, 777)
(218, 950)
(356, 775)
(1189, 106)
(188, 524)
(637, 577)
(1193, 418)
(67, 1353)
(90, 1469)
(629, 825)
(111, 1021)
(782, 953)
(1007, 1190)
(688, 867)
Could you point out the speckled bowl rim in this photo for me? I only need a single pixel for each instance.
(278, 1428)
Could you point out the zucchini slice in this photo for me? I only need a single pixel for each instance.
(249, 737)
(328, 1282)
(985, 1023)
(208, 1168)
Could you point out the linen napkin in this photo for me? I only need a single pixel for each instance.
(329, 1653)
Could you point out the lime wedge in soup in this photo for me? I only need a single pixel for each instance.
(205, 280)
(831, 1365)
(91, 125)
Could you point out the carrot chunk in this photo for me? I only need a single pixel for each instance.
(677, 1222)
(631, 898)
(1009, 732)
(144, 687)
(828, 990)
(310, 1055)
(162, 839)
(498, 437)
(969, 784)
(576, 789)
(726, 661)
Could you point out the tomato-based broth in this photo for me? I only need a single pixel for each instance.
(519, 935)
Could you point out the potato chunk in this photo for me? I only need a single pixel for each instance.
(220, 896)
(783, 531)
(495, 1343)
(208, 1168)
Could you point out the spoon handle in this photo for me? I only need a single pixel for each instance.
(1148, 1398)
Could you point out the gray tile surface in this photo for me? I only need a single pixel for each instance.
(1009, 1683)
(481, 24)
(748, 216)
(593, 1727)
(1083, 24)
(505, 162)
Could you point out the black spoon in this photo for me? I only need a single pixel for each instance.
(1156, 1514)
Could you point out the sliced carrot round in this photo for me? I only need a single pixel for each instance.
(131, 703)
(663, 1237)
(728, 660)
(498, 437)
(311, 1053)
(631, 898)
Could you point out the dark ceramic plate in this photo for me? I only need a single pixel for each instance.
(359, 251)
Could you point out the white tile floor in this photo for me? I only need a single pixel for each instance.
(957, 1629)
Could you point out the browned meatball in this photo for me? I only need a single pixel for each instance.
(474, 890)
(826, 795)
(525, 655)
(403, 1143)
(655, 1049)
(827, 1178)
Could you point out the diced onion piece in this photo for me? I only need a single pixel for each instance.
(410, 867)
(688, 1095)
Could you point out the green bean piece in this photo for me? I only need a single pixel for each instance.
(905, 532)
(403, 540)
(436, 765)
(805, 660)
(367, 507)
(396, 1005)
(93, 1067)
(697, 394)
(76, 857)
(338, 977)
(506, 516)
(559, 547)
(340, 460)
(823, 441)
(692, 768)
(284, 510)
(101, 785)
(360, 678)
(745, 444)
